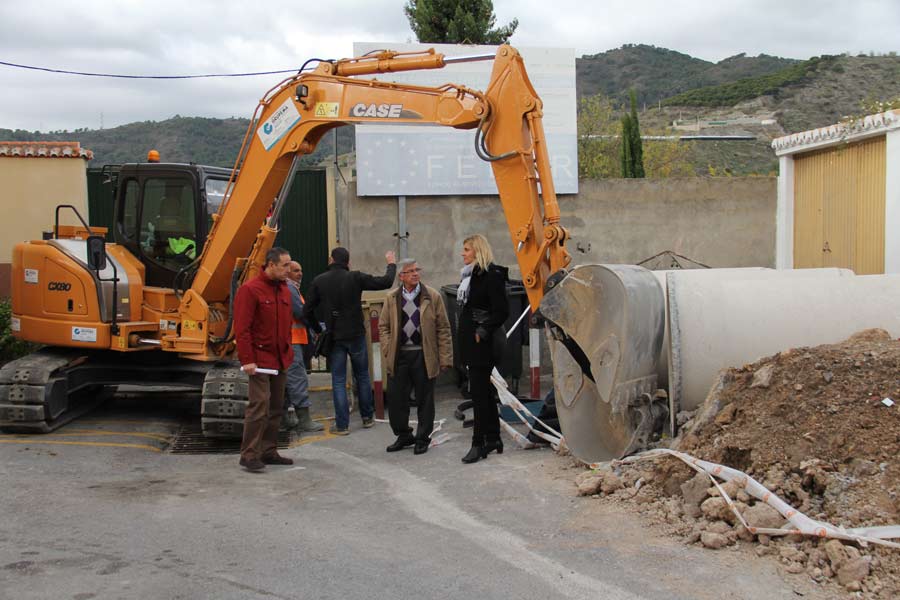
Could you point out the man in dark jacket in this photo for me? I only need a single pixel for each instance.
(336, 296)
(262, 330)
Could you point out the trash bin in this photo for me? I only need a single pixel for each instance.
(511, 366)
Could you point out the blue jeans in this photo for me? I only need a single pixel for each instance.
(297, 391)
(359, 359)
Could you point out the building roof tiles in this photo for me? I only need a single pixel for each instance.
(849, 131)
(44, 150)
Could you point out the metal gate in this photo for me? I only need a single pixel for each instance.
(304, 223)
(839, 204)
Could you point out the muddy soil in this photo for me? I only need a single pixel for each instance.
(817, 427)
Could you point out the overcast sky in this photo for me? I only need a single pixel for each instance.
(163, 37)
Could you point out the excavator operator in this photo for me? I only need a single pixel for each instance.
(174, 235)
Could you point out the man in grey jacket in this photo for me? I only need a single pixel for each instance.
(297, 391)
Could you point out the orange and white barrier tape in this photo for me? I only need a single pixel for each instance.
(800, 523)
(507, 398)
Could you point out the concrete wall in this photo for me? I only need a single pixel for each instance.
(30, 190)
(721, 222)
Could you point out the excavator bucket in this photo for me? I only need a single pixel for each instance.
(606, 325)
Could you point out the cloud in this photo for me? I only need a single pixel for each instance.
(166, 37)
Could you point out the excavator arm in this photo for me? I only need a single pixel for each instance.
(294, 116)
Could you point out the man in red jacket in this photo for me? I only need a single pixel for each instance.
(262, 328)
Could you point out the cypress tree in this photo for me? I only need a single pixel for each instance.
(632, 150)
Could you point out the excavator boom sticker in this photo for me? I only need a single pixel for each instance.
(281, 121)
(328, 109)
(383, 111)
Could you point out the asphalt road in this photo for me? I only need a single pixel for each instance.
(103, 509)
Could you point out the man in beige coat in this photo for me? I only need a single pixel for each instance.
(416, 346)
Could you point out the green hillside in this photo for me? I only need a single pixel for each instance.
(735, 92)
(179, 139)
(657, 73)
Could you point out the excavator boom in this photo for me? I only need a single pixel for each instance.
(294, 116)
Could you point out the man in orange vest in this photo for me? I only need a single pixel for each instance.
(297, 392)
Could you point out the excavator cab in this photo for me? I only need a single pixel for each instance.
(163, 213)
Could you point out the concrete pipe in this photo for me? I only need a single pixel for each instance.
(689, 277)
(717, 323)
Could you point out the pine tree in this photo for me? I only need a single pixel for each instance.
(456, 22)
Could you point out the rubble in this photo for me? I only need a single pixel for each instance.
(810, 424)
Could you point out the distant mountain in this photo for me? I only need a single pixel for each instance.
(763, 96)
(836, 88)
(657, 73)
(179, 139)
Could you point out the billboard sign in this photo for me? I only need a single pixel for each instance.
(427, 160)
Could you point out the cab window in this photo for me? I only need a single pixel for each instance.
(168, 225)
(215, 195)
(130, 209)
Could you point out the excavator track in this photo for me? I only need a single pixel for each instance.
(226, 392)
(38, 396)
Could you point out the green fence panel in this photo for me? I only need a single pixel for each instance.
(304, 223)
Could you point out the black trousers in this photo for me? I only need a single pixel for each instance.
(410, 374)
(487, 419)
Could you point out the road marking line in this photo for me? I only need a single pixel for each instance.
(67, 443)
(124, 422)
(153, 436)
(308, 440)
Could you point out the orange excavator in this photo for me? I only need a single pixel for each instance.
(107, 315)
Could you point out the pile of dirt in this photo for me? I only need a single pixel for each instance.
(817, 428)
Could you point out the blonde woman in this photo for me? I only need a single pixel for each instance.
(482, 299)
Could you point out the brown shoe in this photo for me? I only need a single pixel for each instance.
(254, 465)
(277, 459)
(368, 422)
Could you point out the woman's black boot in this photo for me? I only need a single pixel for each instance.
(474, 454)
(490, 446)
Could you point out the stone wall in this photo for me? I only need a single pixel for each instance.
(720, 222)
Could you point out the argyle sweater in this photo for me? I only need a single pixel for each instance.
(410, 318)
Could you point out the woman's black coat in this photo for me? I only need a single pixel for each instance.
(487, 298)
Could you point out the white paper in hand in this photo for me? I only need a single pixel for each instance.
(262, 371)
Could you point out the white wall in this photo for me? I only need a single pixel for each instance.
(784, 214)
(892, 204)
